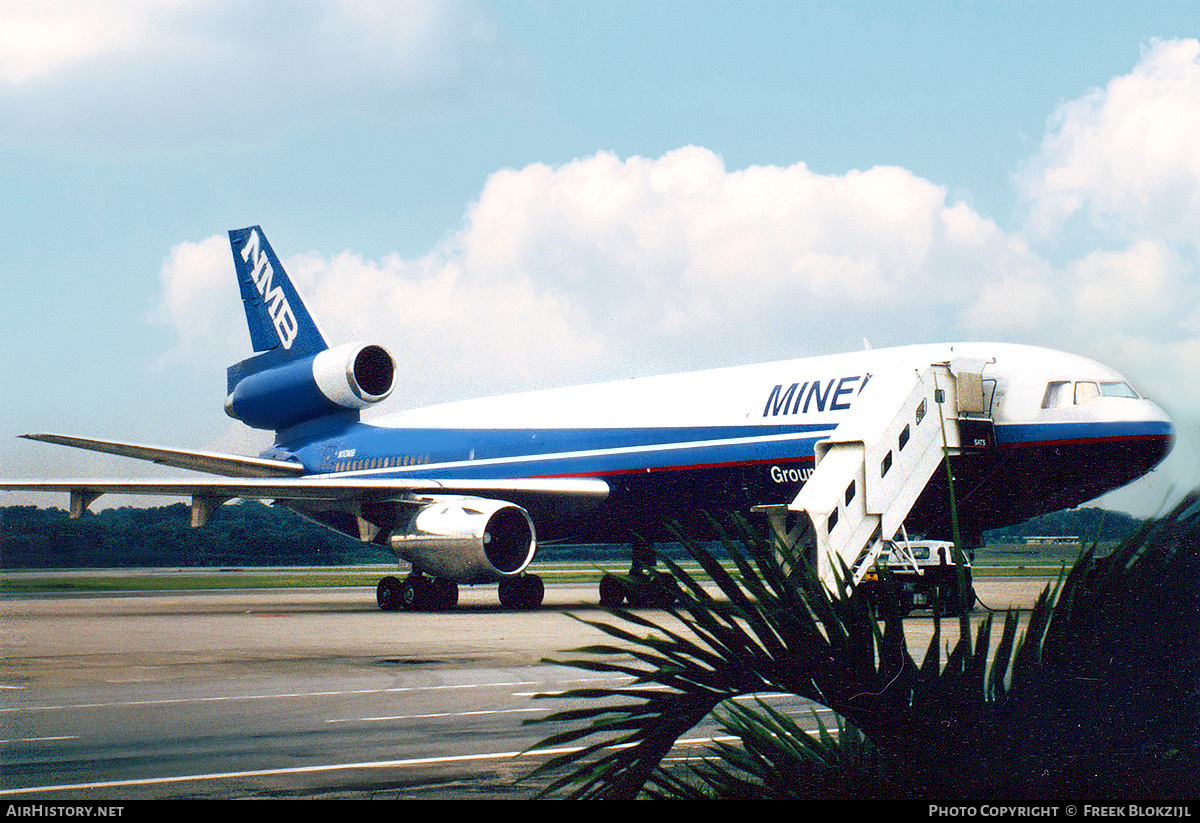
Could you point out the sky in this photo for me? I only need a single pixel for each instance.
(515, 195)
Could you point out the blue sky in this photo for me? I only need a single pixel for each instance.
(513, 195)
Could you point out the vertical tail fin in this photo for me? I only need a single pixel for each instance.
(275, 313)
(294, 378)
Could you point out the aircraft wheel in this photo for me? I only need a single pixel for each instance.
(535, 590)
(508, 592)
(443, 594)
(641, 592)
(387, 594)
(525, 592)
(414, 593)
(612, 591)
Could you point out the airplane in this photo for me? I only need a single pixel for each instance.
(466, 491)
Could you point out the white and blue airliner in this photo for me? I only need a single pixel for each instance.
(464, 492)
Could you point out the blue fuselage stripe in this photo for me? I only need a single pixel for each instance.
(523, 453)
(1049, 433)
(505, 453)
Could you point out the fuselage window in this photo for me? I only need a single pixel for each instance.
(1085, 390)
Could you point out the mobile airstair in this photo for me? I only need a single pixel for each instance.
(870, 472)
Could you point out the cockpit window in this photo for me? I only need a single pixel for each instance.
(1085, 390)
(1118, 389)
(1063, 393)
(1058, 395)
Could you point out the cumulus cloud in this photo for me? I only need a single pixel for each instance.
(200, 301)
(1133, 289)
(607, 266)
(221, 72)
(1127, 157)
(1119, 168)
(38, 39)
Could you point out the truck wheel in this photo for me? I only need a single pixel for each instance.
(612, 591)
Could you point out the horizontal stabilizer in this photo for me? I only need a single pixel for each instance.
(229, 465)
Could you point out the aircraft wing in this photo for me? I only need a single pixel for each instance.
(229, 465)
(554, 497)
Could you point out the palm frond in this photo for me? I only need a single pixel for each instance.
(1102, 686)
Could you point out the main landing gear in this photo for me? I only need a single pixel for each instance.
(524, 592)
(644, 586)
(417, 592)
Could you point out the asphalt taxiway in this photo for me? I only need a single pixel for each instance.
(282, 693)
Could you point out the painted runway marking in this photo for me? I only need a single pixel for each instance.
(431, 715)
(174, 701)
(335, 767)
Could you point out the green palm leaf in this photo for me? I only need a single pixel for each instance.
(1103, 685)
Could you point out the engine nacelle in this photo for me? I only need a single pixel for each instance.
(467, 539)
(349, 377)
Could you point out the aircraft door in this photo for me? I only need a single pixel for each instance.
(975, 396)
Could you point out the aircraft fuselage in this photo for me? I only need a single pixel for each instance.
(678, 446)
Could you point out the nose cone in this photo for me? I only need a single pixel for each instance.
(1161, 435)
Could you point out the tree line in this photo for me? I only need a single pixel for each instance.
(238, 534)
(251, 534)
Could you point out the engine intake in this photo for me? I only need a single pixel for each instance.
(467, 539)
(355, 375)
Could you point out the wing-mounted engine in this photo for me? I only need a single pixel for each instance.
(467, 539)
(269, 392)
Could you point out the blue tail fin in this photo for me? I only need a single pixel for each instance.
(275, 313)
(293, 378)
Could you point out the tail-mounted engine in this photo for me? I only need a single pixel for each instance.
(341, 379)
(467, 539)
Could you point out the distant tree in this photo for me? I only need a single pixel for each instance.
(1088, 524)
(238, 534)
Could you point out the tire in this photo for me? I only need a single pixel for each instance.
(508, 593)
(612, 591)
(414, 593)
(533, 590)
(525, 592)
(666, 590)
(387, 594)
(443, 594)
(950, 605)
